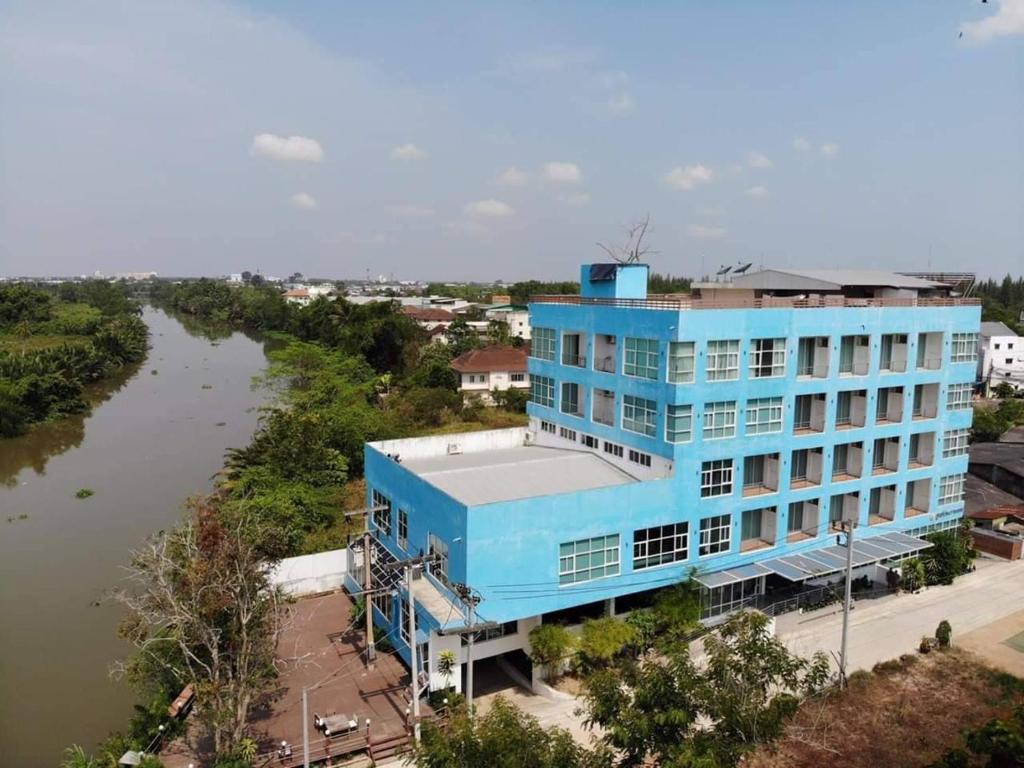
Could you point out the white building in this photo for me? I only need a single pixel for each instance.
(1001, 356)
(482, 371)
(515, 316)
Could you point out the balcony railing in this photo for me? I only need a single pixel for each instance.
(574, 360)
(686, 302)
(929, 364)
(604, 364)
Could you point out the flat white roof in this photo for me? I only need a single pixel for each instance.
(522, 472)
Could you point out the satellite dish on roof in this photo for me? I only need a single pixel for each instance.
(723, 270)
(744, 268)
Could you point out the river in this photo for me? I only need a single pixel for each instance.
(156, 435)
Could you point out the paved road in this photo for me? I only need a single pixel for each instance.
(893, 626)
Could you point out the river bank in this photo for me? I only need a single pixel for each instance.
(154, 436)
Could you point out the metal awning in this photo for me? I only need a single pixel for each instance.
(813, 564)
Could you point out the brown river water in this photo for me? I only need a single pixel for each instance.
(152, 440)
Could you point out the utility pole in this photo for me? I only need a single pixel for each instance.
(410, 565)
(371, 649)
(848, 527)
(471, 599)
(305, 727)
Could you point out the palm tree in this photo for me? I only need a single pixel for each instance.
(75, 757)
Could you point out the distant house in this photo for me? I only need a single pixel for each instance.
(1000, 357)
(515, 316)
(483, 370)
(429, 318)
(300, 296)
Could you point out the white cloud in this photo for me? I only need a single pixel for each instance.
(1007, 21)
(304, 200)
(689, 177)
(414, 211)
(757, 160)
(407, 152)
(707, 233)
(489, 209)
(829, 149)
(513, 177)
(580, 198)
(621, 103)
(800, 144)
(563, 173)
(299, 148)
(757, 191)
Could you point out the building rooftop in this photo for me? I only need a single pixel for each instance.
(991, 328)
(830, 280)
(521, 472)
(493, 358)
(1008, 456)
(427, 314)
(981, 497)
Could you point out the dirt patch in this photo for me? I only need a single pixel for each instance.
(568, 684)
(907, 713)
(1000, 643)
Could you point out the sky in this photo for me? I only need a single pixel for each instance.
(482, 141)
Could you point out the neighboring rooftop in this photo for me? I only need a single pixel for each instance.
(1008, 456)
(982, 497)
(492, 358)
(829, 280)
(506, 474)
(992, 328)
(428, 314)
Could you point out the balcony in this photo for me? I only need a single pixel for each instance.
(573, 348)
(882, 505)
(926, 402)
(760, 474)
(889, 408)
(802, 522)
(929, 351)
(918, 499)
(855, 356)
(603, 407)
(894, 353)
(922, 450)
(847, 460)
(851, 409)
(805, 468)
(757, 529)
(604, 352)
(843, 507)
(812, 357)
(809, 414)
(575, 360)
(886, 456)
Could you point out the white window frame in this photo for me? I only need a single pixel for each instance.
(672, 540)
(545, 383)
(583, 551)
(639, 457)
(717, 478)
(646, 410)
(542, 346)
(722, 524)
(758, 406)
(958, 397)
(951, 489)
(719, 420)
(644, 364)
(564, 401)
(955, 442)
(776, 361)
(680, 352)
(378, 499)
(723, 360)
(684, 412)
(964, 348)
(402, 531)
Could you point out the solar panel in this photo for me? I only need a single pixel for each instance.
(601, 272)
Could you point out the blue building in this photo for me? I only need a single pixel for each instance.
(724, 435)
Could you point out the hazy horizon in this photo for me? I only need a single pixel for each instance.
(467, 142)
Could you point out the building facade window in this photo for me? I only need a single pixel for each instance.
(723, 360)
(715, 535)
(954, 443)
(385, 604)
(764, 415)
(716, 478)
(568, 434)
(588, 559)
(719, 420)
(680, 362)
(640, 358)
(613, 449)
(640, 415)
(381, 517)
(403, 529)
(951, 489)
(542, 343)
(660, 545)
(589, 441)
(958, 397)
(965, 348)
(547, 426)
(570, 402)
(639, 457)
(679, 423)
(518, 378)
(542, 391)
(767, 358)
(438, 547)
(403, 622)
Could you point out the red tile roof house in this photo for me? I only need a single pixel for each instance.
(429, 318)
(490, 368)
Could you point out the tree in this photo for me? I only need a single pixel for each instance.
(603, 639)
(664, 710)
(76, 757)
(202, 608)
(950, 555)
(461, 338)
(498, 332)
(505, 737)
(912, 575)
(550, 646)
(944, 634)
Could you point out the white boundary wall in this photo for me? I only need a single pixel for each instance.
(309, 574)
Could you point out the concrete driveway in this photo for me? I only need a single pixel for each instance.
(885, 629)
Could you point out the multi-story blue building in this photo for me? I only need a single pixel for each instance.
(721, 436)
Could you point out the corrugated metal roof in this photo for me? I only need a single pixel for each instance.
(506, 474)
(830, 279)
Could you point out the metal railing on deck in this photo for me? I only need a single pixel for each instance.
(686, 302)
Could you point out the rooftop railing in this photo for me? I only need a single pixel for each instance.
(678, 303)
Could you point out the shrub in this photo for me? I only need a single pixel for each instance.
(603, 639)
(912, 578)
(944, 634)
(550, 645)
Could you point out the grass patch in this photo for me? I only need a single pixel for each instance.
(1016, 642)
(84, 493)
(18, 344)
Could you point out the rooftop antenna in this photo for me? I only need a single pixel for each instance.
(634, 248)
